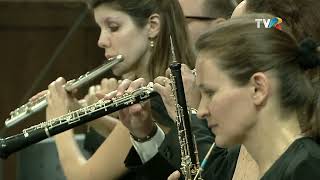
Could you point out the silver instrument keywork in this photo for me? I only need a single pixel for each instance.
(32, 107)
(188, 147)
(73, 119)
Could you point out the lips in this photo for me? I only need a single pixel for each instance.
(212, 126)
(108, 56)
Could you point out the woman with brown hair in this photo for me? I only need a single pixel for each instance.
(140, 31)
(254, 87)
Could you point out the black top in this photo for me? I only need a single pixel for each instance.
(222, 163)
(300, 161)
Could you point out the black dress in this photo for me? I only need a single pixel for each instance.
(300, 161)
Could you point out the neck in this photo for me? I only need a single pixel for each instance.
(140, 70)
(270, 138)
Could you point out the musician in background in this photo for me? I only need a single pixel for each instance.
(202, 14)
(140, 31)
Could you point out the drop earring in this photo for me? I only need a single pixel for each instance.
(151, 43)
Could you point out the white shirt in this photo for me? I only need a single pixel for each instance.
(147, 150)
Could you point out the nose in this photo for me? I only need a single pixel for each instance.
(104, 40)
(203, 111)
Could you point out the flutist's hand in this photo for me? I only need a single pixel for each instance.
(137, 118)
(174, 176)
(106, 86)
(162, 86)
(95, 92)
(59, 101)
(38, 96)
(103, 125)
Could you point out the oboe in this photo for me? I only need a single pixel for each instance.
(189, 153)
(50, 128)
(32, 107)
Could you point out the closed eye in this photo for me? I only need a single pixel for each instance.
(208, 93)
(113, 27)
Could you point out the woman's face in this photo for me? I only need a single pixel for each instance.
(120, 35)
(227, 107)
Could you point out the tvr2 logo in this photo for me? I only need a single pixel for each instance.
(269, 23)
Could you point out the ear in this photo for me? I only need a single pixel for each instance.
(261, 88)
(154, 25)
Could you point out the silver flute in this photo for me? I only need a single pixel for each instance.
(63, 123)
(40, 103)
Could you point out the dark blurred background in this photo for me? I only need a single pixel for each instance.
(30, 33)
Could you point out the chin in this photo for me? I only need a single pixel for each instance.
(118, 72)
(224, 142)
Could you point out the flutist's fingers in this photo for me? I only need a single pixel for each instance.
(106, 96)
(105, 90)
(137, 118)
(137, 109)
(191, 91)
(174, 176)
(56, 87)
(94, 89)
(190, 88)
(184, 69)
(168, 72)
(58, 84)
(109, 85)
(38, 95)
(123, 87)
(58, 99)
(91, 98)
(137, 84)
(162, 86)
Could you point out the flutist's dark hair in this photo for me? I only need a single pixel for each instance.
(241, 49)
(172, 23)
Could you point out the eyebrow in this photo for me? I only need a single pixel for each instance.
(107, 19)
(110, 18)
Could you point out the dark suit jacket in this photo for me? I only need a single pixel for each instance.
(220, 166)
(168, 158)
